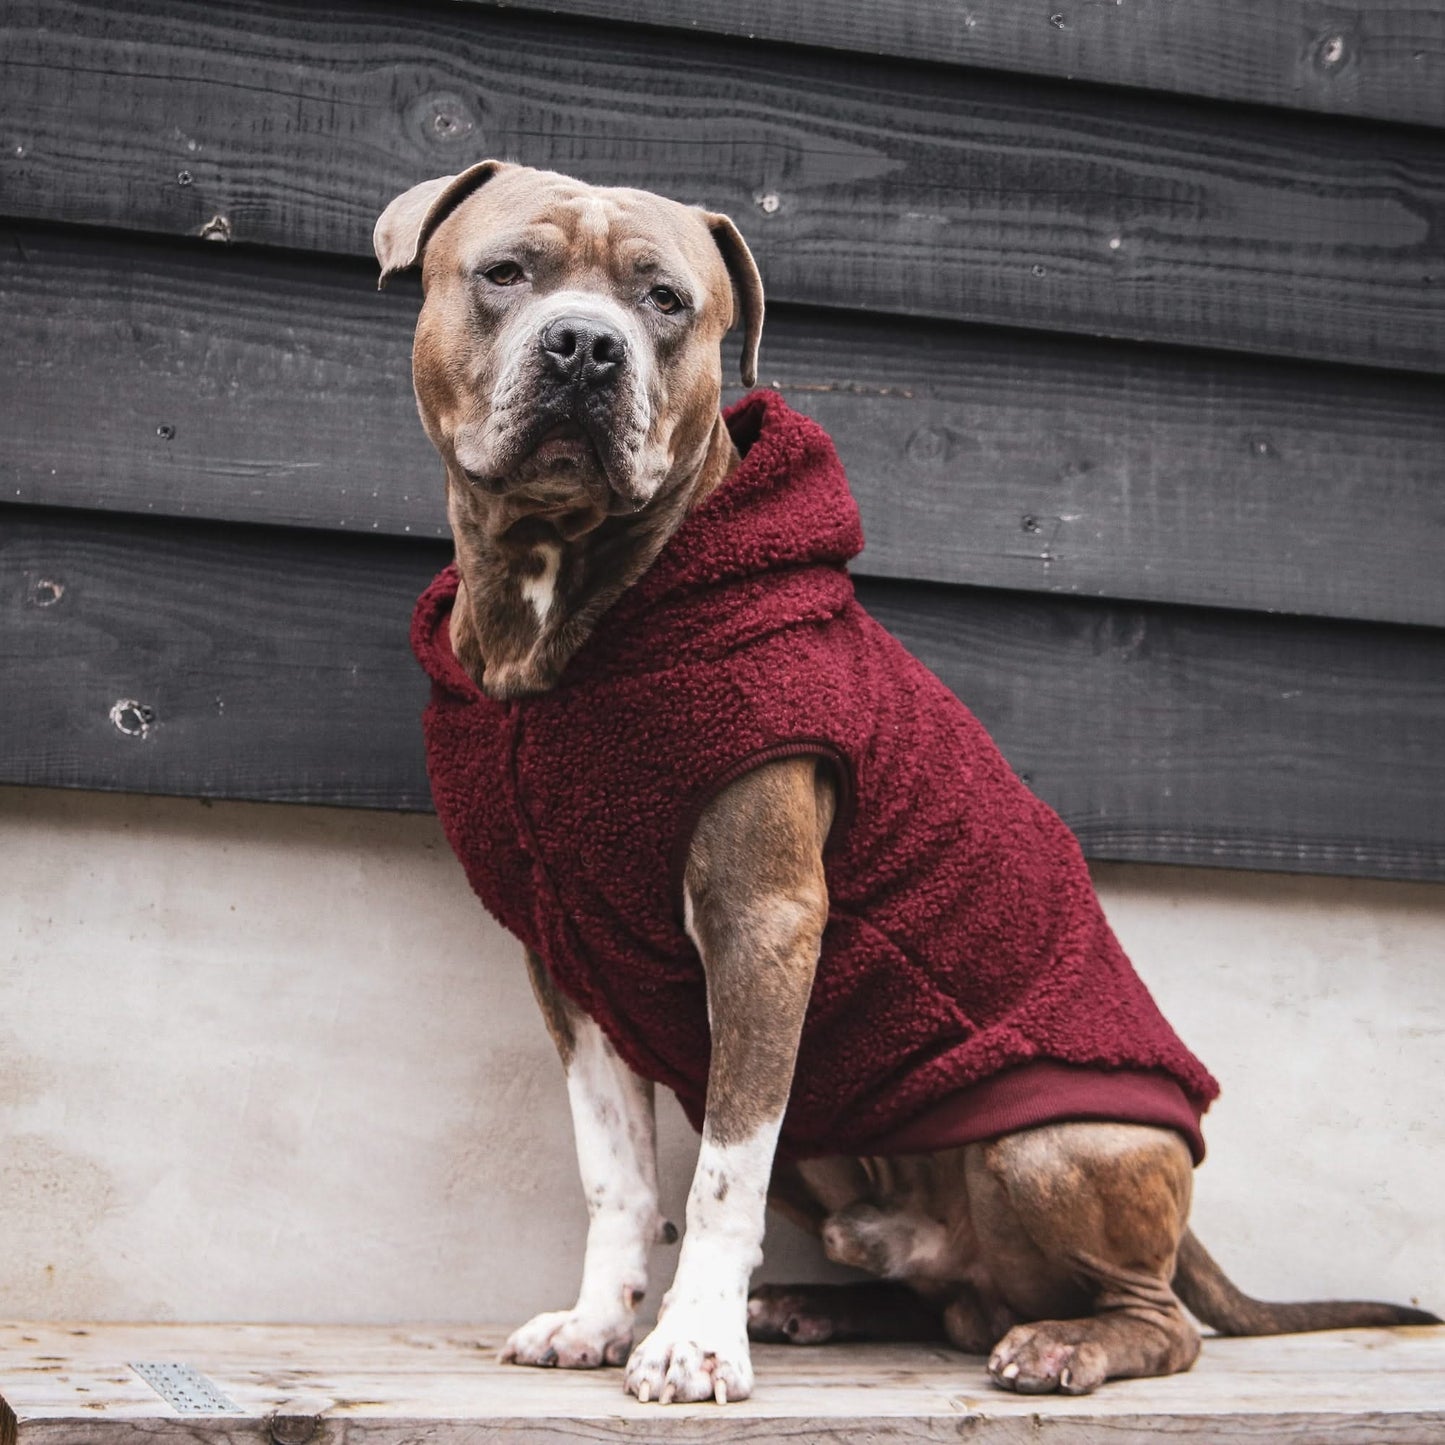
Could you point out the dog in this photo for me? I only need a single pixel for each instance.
(567, 369)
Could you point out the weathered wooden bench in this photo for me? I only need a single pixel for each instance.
(370, 1385)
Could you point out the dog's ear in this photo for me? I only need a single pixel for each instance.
(402, 231)
(746, 282)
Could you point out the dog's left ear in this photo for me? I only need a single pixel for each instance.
(746, 282)
(401, 233)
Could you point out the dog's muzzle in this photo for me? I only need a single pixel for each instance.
(569, 419)
(583, 353)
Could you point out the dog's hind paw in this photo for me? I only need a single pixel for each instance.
(794, 1314)
(569, 1340)
(1052, 1356)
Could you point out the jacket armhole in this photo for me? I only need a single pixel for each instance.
(843, 779)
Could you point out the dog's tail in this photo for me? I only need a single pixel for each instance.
(1209, 1294)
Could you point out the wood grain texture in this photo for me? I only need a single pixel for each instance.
(275, 666)
(1381, 58)
(262, 664)
(370, 1385)
(873, 185)
(242, 386)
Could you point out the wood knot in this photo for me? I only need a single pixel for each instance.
(442, 118)
(929, 446)
(46, 592)
(1333, 51)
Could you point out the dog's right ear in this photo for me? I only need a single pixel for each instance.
(406, 224)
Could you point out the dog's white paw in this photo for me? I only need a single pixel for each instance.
(570, 1340)
(692, 1355)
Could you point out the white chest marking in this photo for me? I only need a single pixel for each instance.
(541, 590)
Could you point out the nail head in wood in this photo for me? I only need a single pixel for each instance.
(292, 1429)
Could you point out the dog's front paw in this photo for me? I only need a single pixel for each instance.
(689, 1357)
(570, 1340)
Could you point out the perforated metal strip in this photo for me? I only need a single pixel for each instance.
(185, 1389)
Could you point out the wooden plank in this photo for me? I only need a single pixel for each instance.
(377, 1385)
(275, 666)
(871, 185)
(1380, 58)
(244, 386)
(241, 664)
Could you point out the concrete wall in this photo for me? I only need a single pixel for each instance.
(276, 1064)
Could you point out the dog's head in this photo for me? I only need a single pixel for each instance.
(567, 354)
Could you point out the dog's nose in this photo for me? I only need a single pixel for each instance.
(588, 352)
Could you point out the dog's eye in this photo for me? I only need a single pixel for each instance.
(508, 273)
(665, 300)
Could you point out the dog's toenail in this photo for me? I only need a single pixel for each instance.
(1066, 1379)
(549, 1358)
(791, 1325)
(1011, 1372)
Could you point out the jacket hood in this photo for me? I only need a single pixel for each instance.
(768, 549)
(786, 504)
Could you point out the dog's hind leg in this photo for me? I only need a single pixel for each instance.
(902, 1219)
(1084, 1220)
(816, 1314)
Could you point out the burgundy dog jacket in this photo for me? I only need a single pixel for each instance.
(968, 984)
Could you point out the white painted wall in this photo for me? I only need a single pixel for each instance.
(275, 1063)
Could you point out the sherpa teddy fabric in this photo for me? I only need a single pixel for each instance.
(964, 938)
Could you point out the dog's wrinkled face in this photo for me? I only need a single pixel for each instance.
(567, 354)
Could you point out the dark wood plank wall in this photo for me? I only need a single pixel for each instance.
(1380, 58)
(227, 383)
(259, 663)
(869, 184)
(1177, 353)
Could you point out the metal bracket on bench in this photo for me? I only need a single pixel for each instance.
(186, 1390)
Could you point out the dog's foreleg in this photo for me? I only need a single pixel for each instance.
(755, 904)
(612, 1118)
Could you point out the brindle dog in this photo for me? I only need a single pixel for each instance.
(567, 369)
